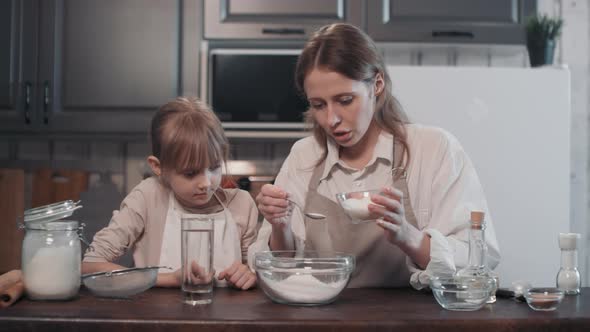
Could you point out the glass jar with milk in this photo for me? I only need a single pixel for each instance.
(51, 253)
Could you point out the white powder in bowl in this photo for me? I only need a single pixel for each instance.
(357, 208)
(53, 273)
(305, 289)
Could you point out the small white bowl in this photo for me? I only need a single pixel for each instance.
(356, 205)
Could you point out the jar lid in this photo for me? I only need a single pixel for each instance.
(51, 212)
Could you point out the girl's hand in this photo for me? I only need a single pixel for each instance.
(197, 275)
(272, 204)
(169, 279)
(238, 276)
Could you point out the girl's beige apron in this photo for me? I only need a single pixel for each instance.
(378, 262)
(226, 240)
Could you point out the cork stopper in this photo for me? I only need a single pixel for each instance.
(477, 218)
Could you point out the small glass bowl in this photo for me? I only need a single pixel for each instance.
(305, 278)
(543, 299)
(121, 283)
(462, 293)
(356, 205)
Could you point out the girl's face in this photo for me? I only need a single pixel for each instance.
(192, 187)
(342, 107)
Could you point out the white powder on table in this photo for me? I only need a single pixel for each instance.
(305, 288)
(53, 273)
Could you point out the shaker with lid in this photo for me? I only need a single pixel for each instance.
(568, 276)
(51, 255)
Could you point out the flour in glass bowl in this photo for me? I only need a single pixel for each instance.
(305, 288)
(357, 208)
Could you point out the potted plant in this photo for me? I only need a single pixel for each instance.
(541, 34)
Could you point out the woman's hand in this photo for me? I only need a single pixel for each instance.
(391, 214)
(238, 276)
(397, 229)
(272, 204)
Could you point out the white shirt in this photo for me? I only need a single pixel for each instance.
(443, 187)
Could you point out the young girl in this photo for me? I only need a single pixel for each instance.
(189, 149)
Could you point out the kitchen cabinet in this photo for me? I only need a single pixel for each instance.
(96, 66)
(17, 65)
(449, 21)
(276, 19)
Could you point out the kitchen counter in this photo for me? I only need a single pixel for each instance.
(356, 310)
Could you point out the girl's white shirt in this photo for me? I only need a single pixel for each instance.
(443, 187)
(226, 240)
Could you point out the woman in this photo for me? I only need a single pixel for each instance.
(362, 140)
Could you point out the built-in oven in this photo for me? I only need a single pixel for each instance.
(253, 89)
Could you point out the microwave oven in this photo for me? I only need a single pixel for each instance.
(253, 88)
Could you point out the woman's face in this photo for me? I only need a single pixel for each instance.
(342, 107)
(194, 188)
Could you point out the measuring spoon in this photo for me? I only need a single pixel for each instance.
(311, 215)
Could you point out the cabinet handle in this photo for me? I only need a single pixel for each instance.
(28, 102)
(46, 102)
(282, 31)
(453, 34)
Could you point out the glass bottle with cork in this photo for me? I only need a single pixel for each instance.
(568, 277)
(476, 265)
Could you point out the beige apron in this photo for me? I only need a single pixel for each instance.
(226, 240)
(379, 263)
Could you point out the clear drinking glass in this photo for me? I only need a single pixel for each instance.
(197, 259)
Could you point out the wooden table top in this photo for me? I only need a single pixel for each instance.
(355, 310)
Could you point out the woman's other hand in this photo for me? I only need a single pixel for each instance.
(272, 204)
(391, 214)
(238, 276)
(397, 229)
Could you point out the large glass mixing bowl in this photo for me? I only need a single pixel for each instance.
(303, 278)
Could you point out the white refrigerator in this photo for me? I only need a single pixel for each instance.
(515, 125)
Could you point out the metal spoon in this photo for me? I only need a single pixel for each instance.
(311, 215)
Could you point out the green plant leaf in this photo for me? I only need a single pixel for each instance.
(543, 27)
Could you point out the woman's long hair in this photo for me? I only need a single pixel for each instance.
(345, 49)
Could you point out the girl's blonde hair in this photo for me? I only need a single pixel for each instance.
(185, 133)
(345, 49)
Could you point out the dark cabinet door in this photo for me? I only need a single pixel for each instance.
(106, 66)
(17, 66)
(448, 21)
(276, 19)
